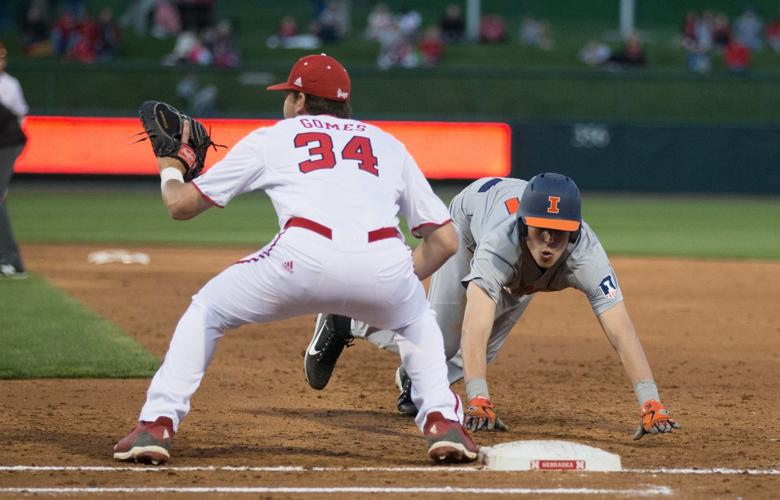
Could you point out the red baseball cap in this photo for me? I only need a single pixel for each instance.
(319, 75)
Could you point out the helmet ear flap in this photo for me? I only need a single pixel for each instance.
(522, 229)
(575, 235)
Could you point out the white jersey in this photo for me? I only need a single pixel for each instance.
(347, 175)
(11, 95)
(338, 187)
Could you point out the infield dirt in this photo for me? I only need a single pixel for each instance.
(711, 330)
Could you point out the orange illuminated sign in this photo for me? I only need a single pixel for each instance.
(85, 145)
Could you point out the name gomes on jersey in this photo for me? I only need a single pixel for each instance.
(347, 127)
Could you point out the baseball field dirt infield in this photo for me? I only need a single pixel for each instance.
(711, 330)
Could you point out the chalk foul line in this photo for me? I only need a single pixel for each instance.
(293, 469)
(649, 491)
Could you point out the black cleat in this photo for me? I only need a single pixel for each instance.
(331, 334)
(404, 403)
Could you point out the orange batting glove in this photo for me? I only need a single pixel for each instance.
(655, 420)
(480, 414)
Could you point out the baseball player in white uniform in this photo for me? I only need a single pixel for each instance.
(13, 108)
(517, 238)
(337, 185)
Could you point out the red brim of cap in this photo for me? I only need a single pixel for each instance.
(280, 86)
(559, 224)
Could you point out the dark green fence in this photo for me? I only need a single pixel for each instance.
(652, 158)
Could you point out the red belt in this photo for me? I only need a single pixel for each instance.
(382, 233)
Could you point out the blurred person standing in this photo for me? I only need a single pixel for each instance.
(35, 34)
(431, 46)
(748, 28)
(452, 24)
(13, 108)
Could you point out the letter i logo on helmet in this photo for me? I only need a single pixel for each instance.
(553, 208)
(551, 201)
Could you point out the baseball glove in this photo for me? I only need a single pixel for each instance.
(164, 125)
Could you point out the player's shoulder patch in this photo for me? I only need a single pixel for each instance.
(608, 286)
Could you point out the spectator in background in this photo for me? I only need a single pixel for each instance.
(199, 53)
(188, 49)
(396, 49)
(224, 47)
(13, 108)
(84, 41)
(332, 24)
(737, 58)
(166, 20)
(697, 57)
(696, 35)
(688, 29)
(287, 36)
(431, 46)
(773, 35)
(631, 55)
(137, 15)
(535, 33)
(721, 31)
(288, 27)
(36, 33)
(452, 24)
(109, 35)
(409, 22)
(748, 28)
(492, 29)
(380, 20)
(703, 30)
(594, 53)
(64, 34)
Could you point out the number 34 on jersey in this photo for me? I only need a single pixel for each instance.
(322, 155)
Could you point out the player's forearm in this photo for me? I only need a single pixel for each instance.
(620, 331)
(438, 244)
(632, 356)
(181, 199)
(477, 324)
(174, 195)
(473, 345)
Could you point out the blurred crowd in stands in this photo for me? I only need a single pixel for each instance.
(404, 39)
(67, 29)
(70, 33)
(709, 34)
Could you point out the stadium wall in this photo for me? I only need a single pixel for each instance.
(652, 158)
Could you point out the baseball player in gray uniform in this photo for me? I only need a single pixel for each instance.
(517, 238)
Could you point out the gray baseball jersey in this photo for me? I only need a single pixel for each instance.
(491, 255)
(485, 215)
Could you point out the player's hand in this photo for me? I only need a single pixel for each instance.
(164, 162)
(655, 420)
(481, 415)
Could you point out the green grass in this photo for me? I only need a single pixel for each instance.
(698, 227)
(45, 333)
(711, 227)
